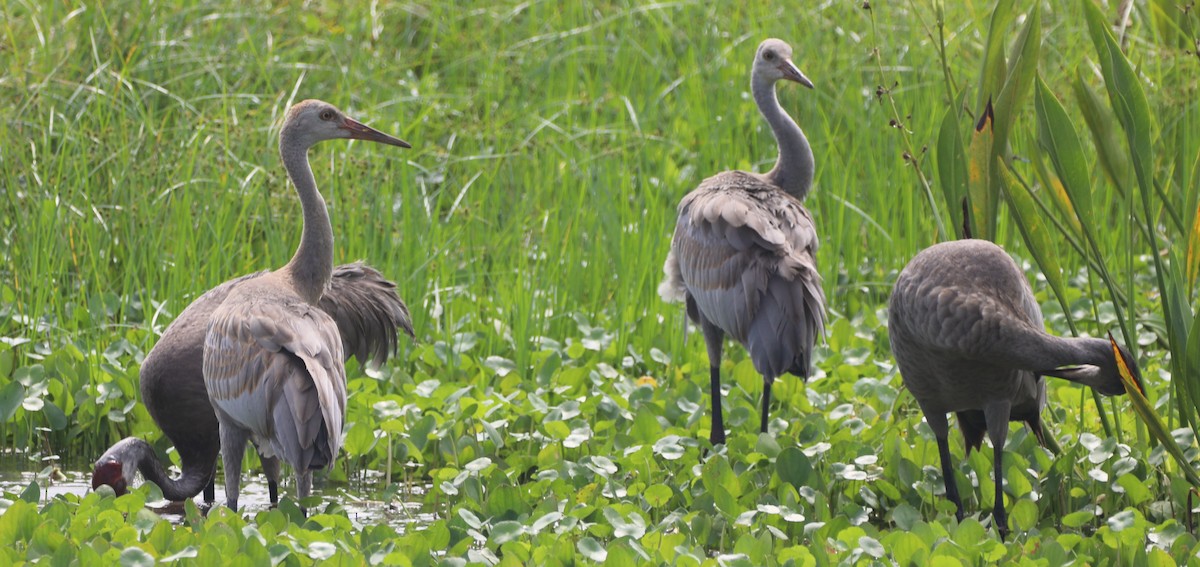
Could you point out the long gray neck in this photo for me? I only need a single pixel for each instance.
(312, 266)
(793, 171)
(190, 483)
(1064, 351)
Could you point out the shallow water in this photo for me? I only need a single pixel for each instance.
(359, 498)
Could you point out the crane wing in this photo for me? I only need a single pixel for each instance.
(367, 310)
(746, 257)
(276, 369)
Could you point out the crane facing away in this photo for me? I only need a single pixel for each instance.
(743, 258)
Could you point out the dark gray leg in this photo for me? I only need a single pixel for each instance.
(713, 339)
(941, 432)
(271, 470)
(766, 403)
(210, 490)
(233, 449)
(997, 415)
(303, 487)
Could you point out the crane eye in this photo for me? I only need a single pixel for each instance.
(769, 55)
(327, 115)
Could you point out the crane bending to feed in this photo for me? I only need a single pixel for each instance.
(368, 314)
(968, 336)
(272, 359)
(743, 258)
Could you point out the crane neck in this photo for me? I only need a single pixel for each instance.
(793, 171)
(311, 268)
(138, 452)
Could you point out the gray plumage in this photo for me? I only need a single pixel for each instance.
(368, 313)
(743, 257)
(968, 336)
(272, 358)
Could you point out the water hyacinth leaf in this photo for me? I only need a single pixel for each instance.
(591, 549)
(793, 467)
(136, 557)
(32, 493)
(504, 532)
(11, 397)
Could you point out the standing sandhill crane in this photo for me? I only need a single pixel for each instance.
(272, 358)
(368, 313)
(743, 256)
(968, 337)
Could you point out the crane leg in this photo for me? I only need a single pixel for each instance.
(233, 449)
(210, 490)
(997, 414)
(766, 403)
(271, 470)
(713, 339)
(303, 487)
(941, 432)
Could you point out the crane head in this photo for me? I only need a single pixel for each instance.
(773, 62)
(312, 121)
(112, 473)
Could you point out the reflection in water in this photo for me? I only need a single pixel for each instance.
(358, 499)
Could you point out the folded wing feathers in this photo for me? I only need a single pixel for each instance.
(284, 361)
(746, 256)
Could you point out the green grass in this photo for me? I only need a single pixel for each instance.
(527, 229)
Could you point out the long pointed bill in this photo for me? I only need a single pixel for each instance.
(792, 73)
(360, 131)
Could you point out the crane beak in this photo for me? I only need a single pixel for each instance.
(360, 131)
(792, 73)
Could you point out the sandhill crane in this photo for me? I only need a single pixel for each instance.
(368, 313)
(968, 337)
(272, 358)
(743, 255)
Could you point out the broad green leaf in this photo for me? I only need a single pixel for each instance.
(1033, 230)
(952, 168)
(994, 68)
(504, 532)
(591, 549)
(32, 493)
(1022, 68)
(11, 397)
(1105, 132)
(1193, 252)
(1126, 94)
(135, 557)
(793, 467)
(980, 177)
(1057, 137)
